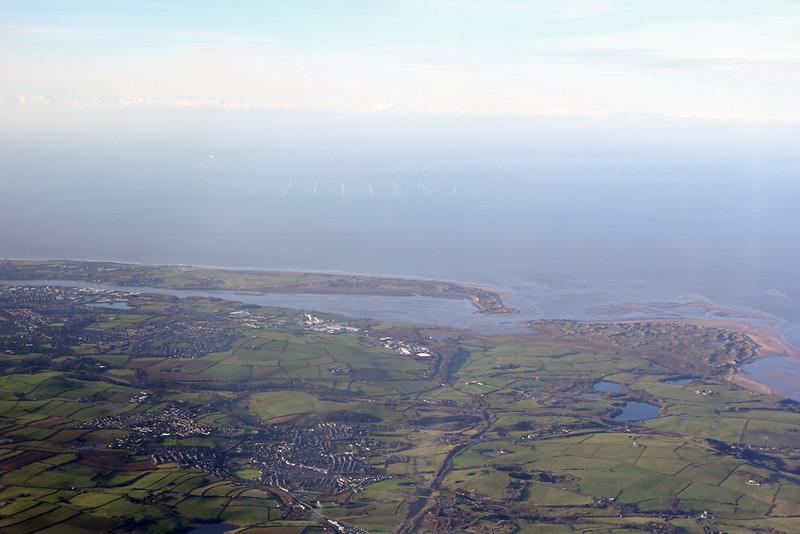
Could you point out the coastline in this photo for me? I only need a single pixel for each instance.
(769, 343)
(742, 379)
(486, 300)
(767, 339)
(503, 291)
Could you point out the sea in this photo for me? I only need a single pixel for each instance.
(591, 218)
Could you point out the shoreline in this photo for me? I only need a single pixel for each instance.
(740, 378)
(487, 300)
(769, 343)
(504, 291)
(767, 339)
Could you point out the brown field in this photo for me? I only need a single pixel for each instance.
(23, 459)
(50, 422)
(113, 460)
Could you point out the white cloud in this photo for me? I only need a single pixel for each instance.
(729, 68)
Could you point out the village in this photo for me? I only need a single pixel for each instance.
(148, 426)
(327, 457)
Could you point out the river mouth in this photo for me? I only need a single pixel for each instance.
(458, 313)
(780, 374)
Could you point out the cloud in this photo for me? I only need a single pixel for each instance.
(31, 100)
(220, 38)
(134, 102)
(688, 67)
(563, 9)
(52, 32)
(67, 35)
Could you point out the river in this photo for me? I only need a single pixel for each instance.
(535, 302)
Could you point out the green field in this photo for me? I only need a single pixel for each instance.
(493, 434)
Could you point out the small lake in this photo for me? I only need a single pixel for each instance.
(637, 411)
(607, 387)
(781, 373)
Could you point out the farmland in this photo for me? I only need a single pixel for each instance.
(485, 300)
(124, 411)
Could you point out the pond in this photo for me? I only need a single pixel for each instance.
(607, 387)
(637, 411)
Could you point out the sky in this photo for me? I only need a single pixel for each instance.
(480, 139)
(721, 59)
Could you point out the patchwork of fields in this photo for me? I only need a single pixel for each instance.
(169, 413)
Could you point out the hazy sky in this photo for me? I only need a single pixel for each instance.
(469, 138)
(709, 58)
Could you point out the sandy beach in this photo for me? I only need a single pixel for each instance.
(770, 343)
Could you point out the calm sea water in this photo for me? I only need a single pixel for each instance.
(568, 214)
(778, 372)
